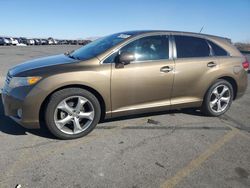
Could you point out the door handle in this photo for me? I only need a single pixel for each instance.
(166, 69)
(211, 64)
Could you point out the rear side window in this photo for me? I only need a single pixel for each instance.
(218, 51)
(187, 46)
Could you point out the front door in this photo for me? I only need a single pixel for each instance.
(145, 84)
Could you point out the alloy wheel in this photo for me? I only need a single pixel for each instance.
(74, 115)
(220, 98)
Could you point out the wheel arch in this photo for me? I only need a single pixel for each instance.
(90, 89)
(231, 80)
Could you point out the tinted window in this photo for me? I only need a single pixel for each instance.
(149, 48)
(191, 47)
(218, 51)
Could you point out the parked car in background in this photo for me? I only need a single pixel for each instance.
(21, 44)
(7, 41)
(61, 42)
(44, 42)
(56, 41)
(151, 71)
(17, 39)
(30, 42)
(13, 41)
(83, 42)
(51, 41)
(1, 41)
(74, 42)
(23, 40)
(38, 41)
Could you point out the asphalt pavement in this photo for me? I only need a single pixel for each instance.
(180, 148)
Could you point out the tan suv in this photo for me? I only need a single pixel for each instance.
(122, 74)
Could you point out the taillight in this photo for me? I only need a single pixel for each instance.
(245, 65)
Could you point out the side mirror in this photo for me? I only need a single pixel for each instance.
(124, 58)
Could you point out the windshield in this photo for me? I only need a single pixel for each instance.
(98, 46)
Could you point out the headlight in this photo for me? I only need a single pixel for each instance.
(23, 81)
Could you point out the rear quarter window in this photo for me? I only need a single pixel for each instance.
(217, 50)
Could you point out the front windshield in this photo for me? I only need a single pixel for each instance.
(98, 46)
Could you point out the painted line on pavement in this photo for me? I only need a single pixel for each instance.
(197, 162)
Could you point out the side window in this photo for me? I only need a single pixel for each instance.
(218, 51)
(149, 48)
(187, 46)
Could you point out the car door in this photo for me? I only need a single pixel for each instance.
(195, 68)
(145, 84)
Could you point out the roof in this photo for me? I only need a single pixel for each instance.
(138, 32)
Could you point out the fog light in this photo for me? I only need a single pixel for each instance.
(19, 112)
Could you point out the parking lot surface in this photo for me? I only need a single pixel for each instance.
(180, 148)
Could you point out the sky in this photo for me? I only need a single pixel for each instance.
(79, 19)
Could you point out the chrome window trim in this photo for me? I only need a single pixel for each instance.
(211, 51)
(146, 61)
(174, 52)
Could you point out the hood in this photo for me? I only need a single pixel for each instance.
(40, 63)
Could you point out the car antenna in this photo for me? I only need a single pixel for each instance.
(201, 29)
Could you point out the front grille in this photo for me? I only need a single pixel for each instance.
(8, 78)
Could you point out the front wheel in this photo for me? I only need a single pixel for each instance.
(218, 98)
(72, 113)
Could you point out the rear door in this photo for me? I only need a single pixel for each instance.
(145, 83)
(195, 68)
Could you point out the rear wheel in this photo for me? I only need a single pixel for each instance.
(72, 113)
(218, 98)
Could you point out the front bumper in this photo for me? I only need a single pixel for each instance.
(13, 101)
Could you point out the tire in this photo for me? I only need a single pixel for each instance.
(56, 111)
(211, 106)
